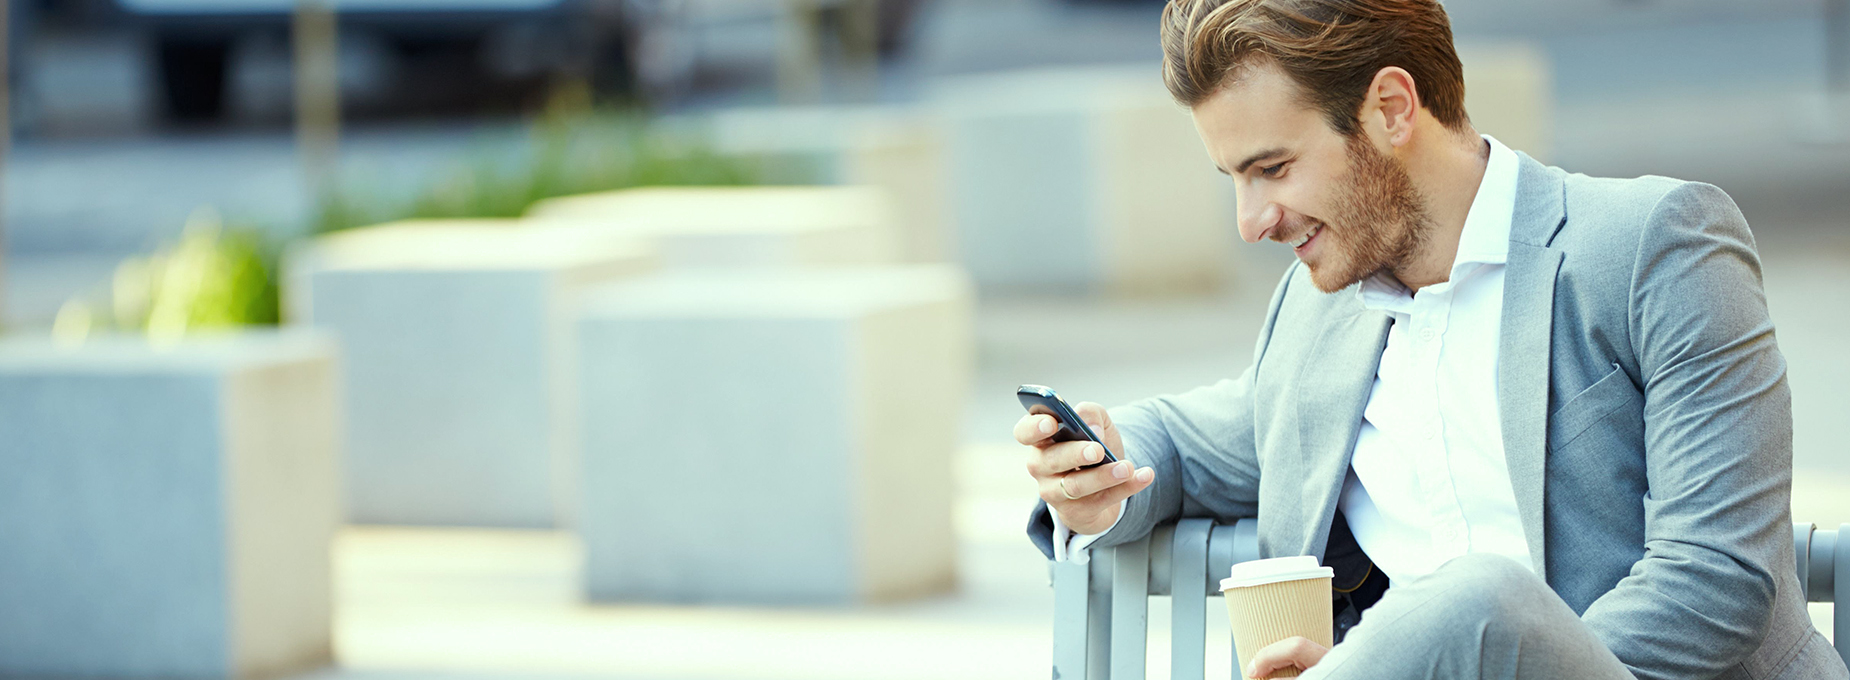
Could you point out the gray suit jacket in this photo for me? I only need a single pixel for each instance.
(1646, 422)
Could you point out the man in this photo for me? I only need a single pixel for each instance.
(1536, 421)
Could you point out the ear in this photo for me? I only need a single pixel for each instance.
(1392, 105)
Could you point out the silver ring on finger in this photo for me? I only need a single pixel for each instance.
(1068, 494)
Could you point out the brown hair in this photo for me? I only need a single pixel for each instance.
(1332, 49)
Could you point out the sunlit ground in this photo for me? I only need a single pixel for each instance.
(422, 601)
(505, 603)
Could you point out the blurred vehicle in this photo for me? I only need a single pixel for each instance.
(193, 41)
(210, 60)
(677, 46)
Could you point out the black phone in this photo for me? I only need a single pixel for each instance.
(1040, 399)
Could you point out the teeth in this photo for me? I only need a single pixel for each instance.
(1307, 236)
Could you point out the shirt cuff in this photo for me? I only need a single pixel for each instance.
(1071, 547)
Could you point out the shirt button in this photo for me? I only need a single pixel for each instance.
(1448, 534)
(1428, 334)
(1432, 433)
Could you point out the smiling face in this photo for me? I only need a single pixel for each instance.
(1347, 209)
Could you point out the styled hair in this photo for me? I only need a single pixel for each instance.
(1331, 49)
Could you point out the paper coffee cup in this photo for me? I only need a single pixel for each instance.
(1270, 600)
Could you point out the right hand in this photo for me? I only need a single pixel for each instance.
(1099, 492)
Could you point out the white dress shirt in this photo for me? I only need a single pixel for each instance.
(1428, 481)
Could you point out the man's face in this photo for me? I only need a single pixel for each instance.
(1347, 209)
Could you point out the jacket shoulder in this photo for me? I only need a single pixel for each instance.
(1609, 219)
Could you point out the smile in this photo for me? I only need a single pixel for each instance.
(1307, 237)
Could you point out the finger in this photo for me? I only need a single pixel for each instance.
(1069, 456)
(1267, 661)
(1291, 652)
(1055, 459)
(1033, 428)
(1140, 480)
(1095, 416)
(1054, 494)
(1085, 487)
(1087, 482)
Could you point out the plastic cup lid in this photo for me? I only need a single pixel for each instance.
(1261, 572)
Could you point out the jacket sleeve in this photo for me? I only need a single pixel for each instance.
(1201, 444)
(1718, 447)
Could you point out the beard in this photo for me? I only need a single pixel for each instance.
(1379, 220)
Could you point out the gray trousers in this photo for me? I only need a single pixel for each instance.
(1479, 616)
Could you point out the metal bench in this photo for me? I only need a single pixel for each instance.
(1101, 608)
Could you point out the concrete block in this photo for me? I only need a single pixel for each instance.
(1509, 93)
(1083, 180)
(773, 437)
(740, 226)
(166, 511)
(899, 151)
(459, 365)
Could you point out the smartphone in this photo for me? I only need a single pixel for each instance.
(1040, 399)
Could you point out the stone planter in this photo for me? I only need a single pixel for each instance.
(899, 152)
(773, 437)
(458, 364)
(1509, 92)
(167, 511)
(1083, 181)
(739, 226)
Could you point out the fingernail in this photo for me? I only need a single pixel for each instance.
(1121, 470)
(1092, 453)
(1252, 671)
(1046, 425)
(1145, 474)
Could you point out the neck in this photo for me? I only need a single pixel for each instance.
(1447, 175)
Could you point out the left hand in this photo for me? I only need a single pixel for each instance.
(1291, 652)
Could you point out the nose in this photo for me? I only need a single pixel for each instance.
(1258, 217)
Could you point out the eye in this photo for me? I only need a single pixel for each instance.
(1272, 170)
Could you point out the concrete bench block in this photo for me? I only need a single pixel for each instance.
(740, 226)
(458, 364)
(1083, 180)
(766, 437)
(167, 511)
(1509, 92)
(899, 151)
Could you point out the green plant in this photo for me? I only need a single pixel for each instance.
(214, 277)
(572, 149)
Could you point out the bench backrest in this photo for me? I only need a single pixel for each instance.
(1101, 608)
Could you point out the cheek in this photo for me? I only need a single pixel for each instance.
(1310, 200)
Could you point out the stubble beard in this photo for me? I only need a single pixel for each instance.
(1380, 220)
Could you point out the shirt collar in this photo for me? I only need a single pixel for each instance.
(1486, 236)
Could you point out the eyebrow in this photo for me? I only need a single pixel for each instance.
(1250, 160)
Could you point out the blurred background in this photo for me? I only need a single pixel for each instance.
(446, 339)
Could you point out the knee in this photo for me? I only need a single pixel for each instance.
(1486, 566)
(1493, 586)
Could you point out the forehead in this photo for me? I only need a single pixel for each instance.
(1261, 109)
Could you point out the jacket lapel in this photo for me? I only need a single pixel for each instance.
(1523, 357)
(1333, 390)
